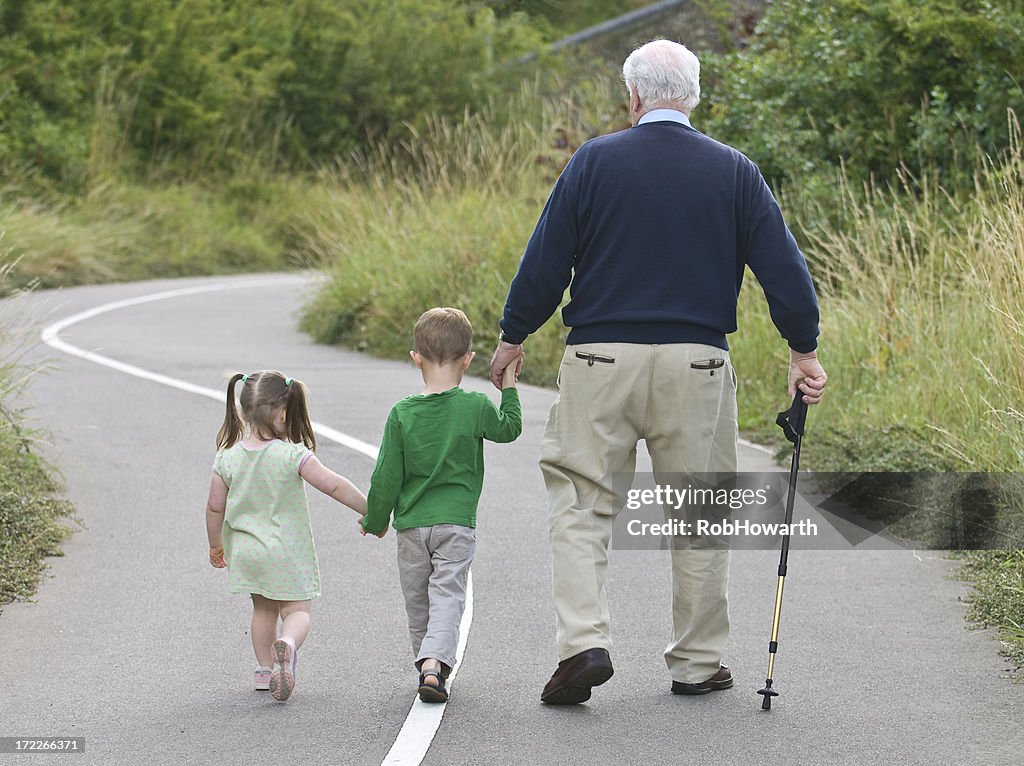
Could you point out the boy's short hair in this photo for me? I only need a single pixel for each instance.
(442, 335)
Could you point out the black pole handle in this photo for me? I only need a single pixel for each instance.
(792, 420)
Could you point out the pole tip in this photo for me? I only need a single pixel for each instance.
(767, 692)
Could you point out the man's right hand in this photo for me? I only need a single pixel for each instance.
(511, 374)
(504, 355)
(806, 372)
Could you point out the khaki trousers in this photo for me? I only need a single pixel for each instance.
(687, 417)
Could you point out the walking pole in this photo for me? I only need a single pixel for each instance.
(792, 424)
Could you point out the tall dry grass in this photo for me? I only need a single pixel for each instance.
(922, 319)
(441, 220)
(122, 230)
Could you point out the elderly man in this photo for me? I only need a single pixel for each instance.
(653, 227)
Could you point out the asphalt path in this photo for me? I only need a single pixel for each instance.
(135, 643)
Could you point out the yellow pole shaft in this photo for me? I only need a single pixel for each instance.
(775, 623)
(778, 608)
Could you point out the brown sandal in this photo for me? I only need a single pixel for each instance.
(429, 692)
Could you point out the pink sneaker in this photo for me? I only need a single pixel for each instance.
(282, 680)
(262, 679)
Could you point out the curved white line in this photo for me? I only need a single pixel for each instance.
(50, 337)
(758, 447)
(421, 724)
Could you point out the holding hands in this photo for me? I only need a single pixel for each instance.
(506, 357)
(364, 533)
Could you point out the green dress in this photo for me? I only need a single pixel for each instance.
(268, 539)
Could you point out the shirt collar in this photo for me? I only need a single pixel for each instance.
(665, 115)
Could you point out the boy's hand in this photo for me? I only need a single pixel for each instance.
(217, 557)
(364, 533)
(511, 373)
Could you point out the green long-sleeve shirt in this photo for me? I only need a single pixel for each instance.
(430, 469)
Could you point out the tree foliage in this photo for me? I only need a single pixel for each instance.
(567, 16)
(871, 85)
(210, 82)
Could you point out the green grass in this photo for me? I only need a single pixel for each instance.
(922, 322)
(441, 223)
(121, 230)
(998, 596)
(33, 517)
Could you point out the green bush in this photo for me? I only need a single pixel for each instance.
(566, 16)
(195, 85)
(871, 85)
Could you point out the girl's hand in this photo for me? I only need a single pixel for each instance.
(217, 557)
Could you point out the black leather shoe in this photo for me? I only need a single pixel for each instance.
(572, 681)
(720, 680)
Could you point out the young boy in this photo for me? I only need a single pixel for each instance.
(430, 472)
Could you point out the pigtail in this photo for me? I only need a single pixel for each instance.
(296, 417)
(231, 430)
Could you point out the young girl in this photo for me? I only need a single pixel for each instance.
(257, 519)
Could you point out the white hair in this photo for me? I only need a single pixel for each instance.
(663, 73)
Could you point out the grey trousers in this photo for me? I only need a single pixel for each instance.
(433, 567)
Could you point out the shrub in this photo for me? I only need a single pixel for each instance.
(195, 85)
(871, 85)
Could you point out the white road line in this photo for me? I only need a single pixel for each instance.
(50, 336)
(421, 724)
(758, 447)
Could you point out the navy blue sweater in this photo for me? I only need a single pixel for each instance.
(653, 226)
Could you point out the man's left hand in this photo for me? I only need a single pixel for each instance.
(807, 375)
